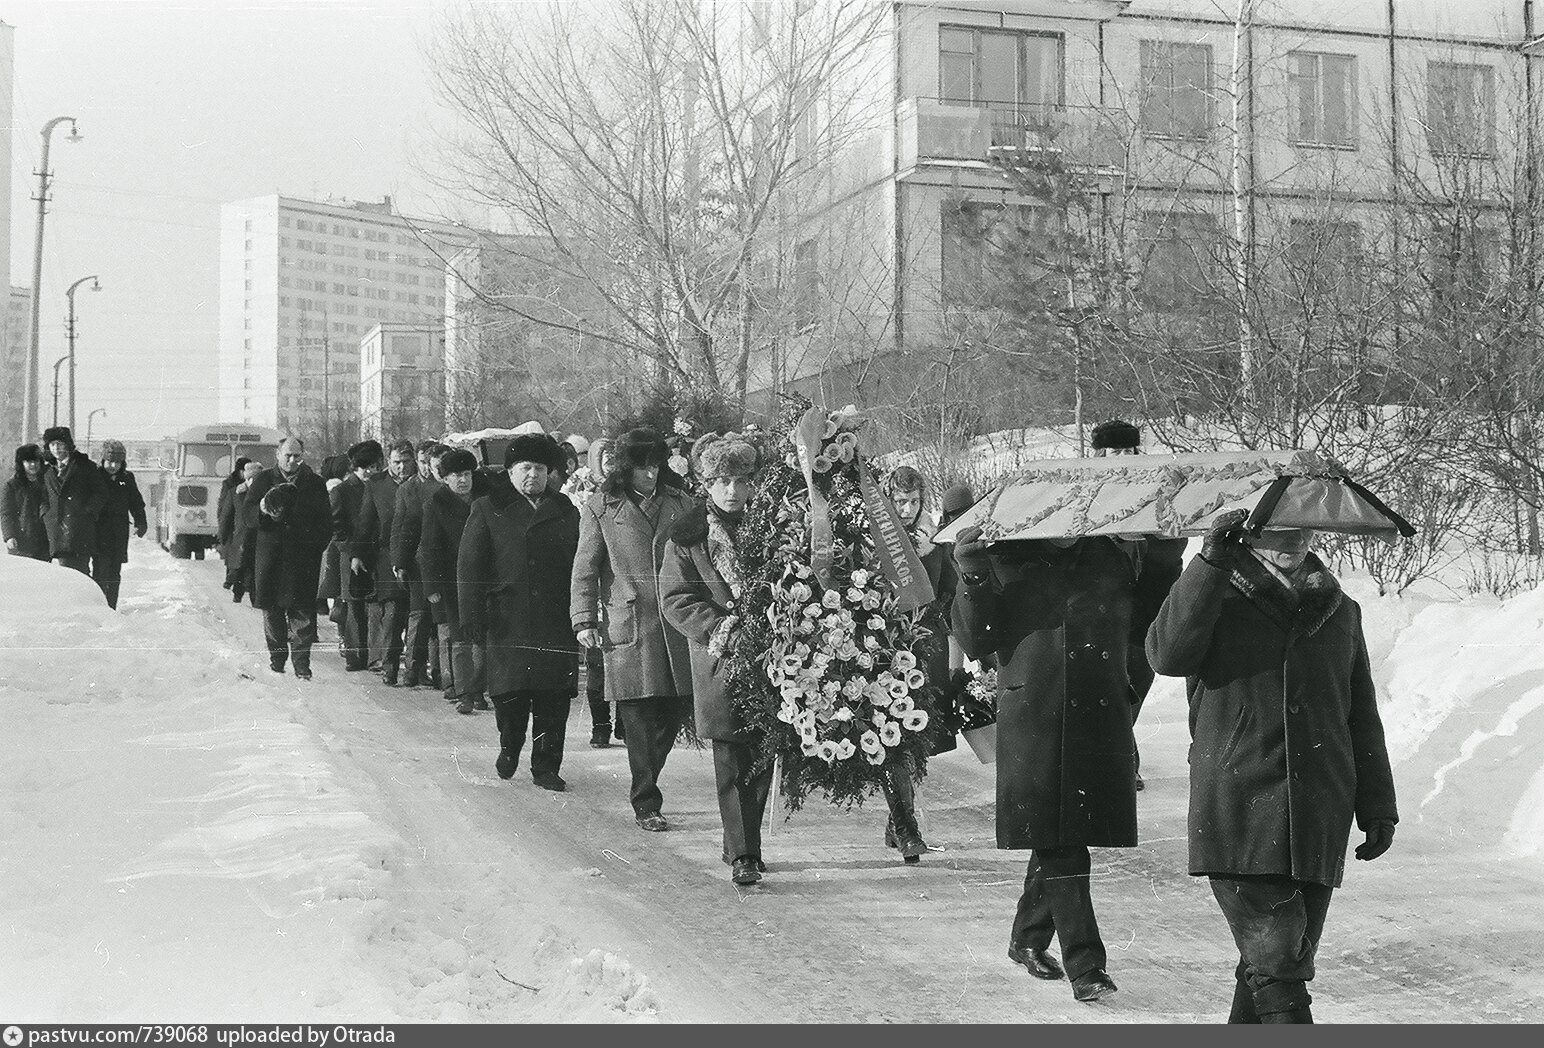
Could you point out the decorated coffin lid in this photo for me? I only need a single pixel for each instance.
(1177, 495)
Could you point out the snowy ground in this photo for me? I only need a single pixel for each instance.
(189, 836)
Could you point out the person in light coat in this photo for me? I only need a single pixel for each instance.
(1287, 748)
(616, 608)
(700, 586)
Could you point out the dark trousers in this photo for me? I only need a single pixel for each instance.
(900, 797)
(107, 572)
(388, 619)
(81, 562)
(595, 688)
(463, 670)
(354, 632)
(422, 651)
(651, 725)
(1276, 923)
(742, 796)
(547, 713)
(1056, 900)
(290, 631)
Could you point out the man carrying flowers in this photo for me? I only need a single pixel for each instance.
(1056, 613)
(700, 585)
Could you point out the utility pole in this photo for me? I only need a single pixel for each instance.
(69, 327)
(30, 399)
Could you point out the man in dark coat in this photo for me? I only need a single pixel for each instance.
(1287, 748)
(388, 605)
(699, 585)
(241, 550)
(423, 662)
(1056, 613)
(1162, 560)
(74, 494)
(225, 522)
(616, 608)
(463, 672)
(124, 504)
(512, 573)
(21, 508)
(288, 524)
(355, 581)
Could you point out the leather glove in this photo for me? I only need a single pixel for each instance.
(1222, 538)
(1380, 835)
(139, 531)
(970, 553)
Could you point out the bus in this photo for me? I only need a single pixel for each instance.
(187, 497)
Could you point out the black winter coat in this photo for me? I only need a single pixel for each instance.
(21, 516)
(1162, 561)
(73, 505)
(346, 502)
(287, 553)
(697, 598)
(939, 565)
(512, 576)
(124, 503)
(441, 524)
(407, 521)
(1058, 620)
(1286, 742)
(372, 542)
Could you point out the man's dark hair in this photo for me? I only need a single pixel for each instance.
(404, 446)
(365, 454)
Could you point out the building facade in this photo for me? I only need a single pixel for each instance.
(301, 284)
(13, 340)
(402, 381)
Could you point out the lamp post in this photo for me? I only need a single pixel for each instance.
(89, 418)
(30, 401)
(61, 360)
(69, 327)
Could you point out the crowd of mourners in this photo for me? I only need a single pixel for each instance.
(618, 557)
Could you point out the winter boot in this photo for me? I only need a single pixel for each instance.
(903, 818)
(1243, 1009)
(600, 736)
(465, 705)
(481, 703)
(1283, 1002)
(300, 661)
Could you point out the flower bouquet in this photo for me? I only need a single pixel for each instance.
(827, 673)
(977, 705)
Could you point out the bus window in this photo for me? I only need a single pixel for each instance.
(206, 460)
(266, 454)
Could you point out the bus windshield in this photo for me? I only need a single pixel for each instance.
(206, 460)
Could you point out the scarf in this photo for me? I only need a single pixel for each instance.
(1300, 608)
(721, 550)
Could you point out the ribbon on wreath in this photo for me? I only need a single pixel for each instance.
(897, 556)
(807, 436)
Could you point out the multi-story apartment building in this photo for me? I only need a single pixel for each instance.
(13, 342)
(301, 283)
(1311, 117)
(402, 381)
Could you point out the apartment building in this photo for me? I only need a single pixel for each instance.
(1341, 108)
(302, 282)
(13, 339)
(402, 381)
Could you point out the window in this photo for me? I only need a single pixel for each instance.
(1324, 257)
(1460, 109)
(1016, 76)
(1181, 259)
(1324, 99)
(1176, 89)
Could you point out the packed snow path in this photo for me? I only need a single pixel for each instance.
(190, 836)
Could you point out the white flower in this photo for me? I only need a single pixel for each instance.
(915, 679)
(897, 689)
(804, 627)
(831, 599)
(844, 714)
(902, 705)
(800, 592)
(785, 713)
(845, 749)
(875, 758)
(827, 751)
(864, 659)
(776, 676)
(871, 643)
(876, 623)
(812, 611)
(916, 720)
(854, 595)
(878, 719)
(876, 695)
(830, 689)
(809, 748)
(890, 734)
(903, 661)
(801, 570)
(870, 742)
(853, 689)
(871, 601)
(860, 578)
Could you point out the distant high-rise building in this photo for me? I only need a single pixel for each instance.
(301, 283)
(13, 343)
(402, 381)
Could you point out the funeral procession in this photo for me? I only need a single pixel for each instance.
(794, 511)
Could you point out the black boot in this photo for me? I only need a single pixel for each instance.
(1243, 1009)
(1283, 1002)
(903, 816)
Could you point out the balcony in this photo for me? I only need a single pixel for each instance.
(936, 130)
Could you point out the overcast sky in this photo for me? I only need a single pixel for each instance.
(185, 105)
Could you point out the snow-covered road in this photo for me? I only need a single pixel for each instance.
(185, 835)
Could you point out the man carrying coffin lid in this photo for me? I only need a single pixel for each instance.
(1287, 748)
(1056, 614)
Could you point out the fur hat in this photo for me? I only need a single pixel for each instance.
(114, 449)
(957, 499)
(727, 455)
(458, 460)
(533, 447)
(1116, 433)
(278, 500)
(53, 433)
(639, 449)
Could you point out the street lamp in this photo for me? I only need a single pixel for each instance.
(69, 328)
(61, 360)
(30, 410)
(94, 413)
